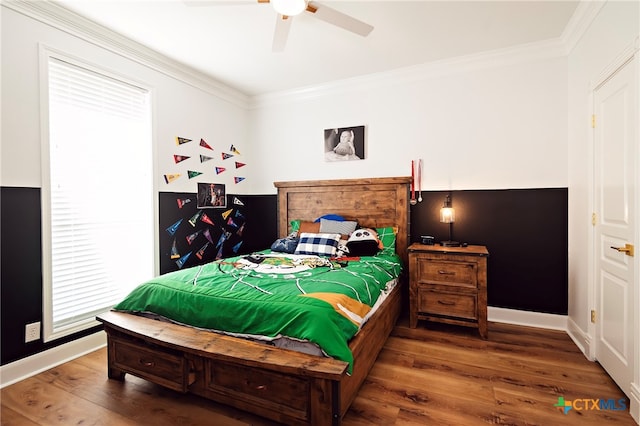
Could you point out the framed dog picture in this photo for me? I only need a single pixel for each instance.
(344, 144)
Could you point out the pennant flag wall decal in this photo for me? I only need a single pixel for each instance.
(239, 164)
(220, 170)
(193, 174)
(226, 214)
(168, 178)
(195, 218)
(222, 239)
(192, 237)
(234, 150)
(207, 235)
(174, 250)
(179, 158)
(230, 222)
(200, 253)
(180, 262)
(237, 247)
(237, 201)
(225, 155)
(240, 231)
(205, 145)
(173, 228)
(180, 141)
(207, 219)
(183, 201)
(238, 179)
(204, 158)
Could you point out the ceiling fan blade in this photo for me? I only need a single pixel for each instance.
(339, 19)
(281, 33)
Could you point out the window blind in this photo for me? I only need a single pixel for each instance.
(100, 202)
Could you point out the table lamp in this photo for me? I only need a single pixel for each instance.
(448, 215)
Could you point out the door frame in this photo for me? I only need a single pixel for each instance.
(630, 55)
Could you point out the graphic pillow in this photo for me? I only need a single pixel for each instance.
(318, 244)
(287, 244)
(363, 242)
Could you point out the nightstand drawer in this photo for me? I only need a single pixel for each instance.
(447, 304)
(463, 274)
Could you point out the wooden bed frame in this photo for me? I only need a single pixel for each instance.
(283, 385)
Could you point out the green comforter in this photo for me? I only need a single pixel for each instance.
(272, 298)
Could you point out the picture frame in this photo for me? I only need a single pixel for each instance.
(344, 144)
(211, 195)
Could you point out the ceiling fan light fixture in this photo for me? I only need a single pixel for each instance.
(289, 7)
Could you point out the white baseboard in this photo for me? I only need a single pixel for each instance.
(526, 318)
(30, 366)
(581, 338)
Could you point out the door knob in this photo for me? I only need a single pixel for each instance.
(627, 249)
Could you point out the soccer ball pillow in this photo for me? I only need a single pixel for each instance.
(363, 242)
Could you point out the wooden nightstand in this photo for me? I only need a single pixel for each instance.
(448, 284)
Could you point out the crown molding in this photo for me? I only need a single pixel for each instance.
(63, 19)
(579, 23)
(583, 16)
(485, 60)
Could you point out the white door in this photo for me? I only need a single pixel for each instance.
(615, 152)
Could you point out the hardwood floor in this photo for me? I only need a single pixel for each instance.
(441, 375)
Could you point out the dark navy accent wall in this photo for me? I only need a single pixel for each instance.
(525, 230)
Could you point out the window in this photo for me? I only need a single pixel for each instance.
(98, 209)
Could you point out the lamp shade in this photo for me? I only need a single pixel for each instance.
(447, 215)
(289, 7)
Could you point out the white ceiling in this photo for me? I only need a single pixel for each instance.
(231, 40)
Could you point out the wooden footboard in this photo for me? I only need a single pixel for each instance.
(286, 386)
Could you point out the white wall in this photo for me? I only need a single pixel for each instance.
(181, 109)
(489, 124)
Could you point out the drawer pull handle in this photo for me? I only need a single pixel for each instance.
(446, 303)
(442, 272)
(147, 363)
(256, 387)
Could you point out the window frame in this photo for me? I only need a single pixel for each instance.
(45, 54)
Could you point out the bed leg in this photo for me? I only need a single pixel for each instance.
(115, 374)
(335, 403)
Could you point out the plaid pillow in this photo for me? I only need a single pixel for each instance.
(318, 244)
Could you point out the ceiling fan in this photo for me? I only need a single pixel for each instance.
(287, 9)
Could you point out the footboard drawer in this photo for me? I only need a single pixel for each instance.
(271, 390)
(155, 364)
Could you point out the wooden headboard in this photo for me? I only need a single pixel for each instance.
(372, 202)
